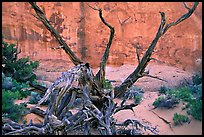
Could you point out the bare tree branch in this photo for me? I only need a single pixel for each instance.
(153, 77)
(133, 77)
(130, 106)
(122, 22)
(27, 129)
(137, 54)
(186, 6)
(182, 18)
(38, 111)
(100, 76)
(44, 20)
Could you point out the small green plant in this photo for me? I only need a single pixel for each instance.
(180, 119)
(135, 93)
(196, 90)
(24, 121)
(137, 99)
(107, 84)
(163, 90)
(197, 79)
(158, 101)
(35, 97)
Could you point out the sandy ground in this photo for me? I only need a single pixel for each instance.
(143, 112)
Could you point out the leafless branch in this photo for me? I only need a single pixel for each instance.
(182, 18)
(100, 76)
(122, 22)
(98, 9)
(153, 77)
(44, 20)
(134, 76)
(186, 6)
(137, 54)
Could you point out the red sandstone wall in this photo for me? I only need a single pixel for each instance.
(82, 28)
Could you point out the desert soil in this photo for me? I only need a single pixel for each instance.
(143, 112)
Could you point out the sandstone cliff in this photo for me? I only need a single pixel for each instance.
(135, 23)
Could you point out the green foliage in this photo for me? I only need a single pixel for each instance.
(18, 86)
(197, 79)
(134, 93)
(35, 97)
(163, 90)
(196, 90)
(191, 94)
(7, 94)
(16, 75)
(165, 102)
(180, 119)
(195, 109)
(24, 121)
(107, 84)
(183, 93)
(137, 99)
(9, 109)
(21, 69)
(157, 101)
(33, 100)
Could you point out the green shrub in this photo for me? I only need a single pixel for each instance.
(183, 93)
(195, 109)
(16, 75)
(35, 97)
(194, 101)
(20, 69)
(7, 94)
(197, 79)
(165, 102)
(18, 86)
(107, 84)
(191, 95)
(33, 100)
(158, 101)
(180, 119)
(137, 99)
(196, 90)
(163, 90)
(135, 93)
(9, 109)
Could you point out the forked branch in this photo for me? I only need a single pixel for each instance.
(138, 72)
(100, 76)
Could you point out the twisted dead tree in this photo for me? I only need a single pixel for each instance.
(97, 107)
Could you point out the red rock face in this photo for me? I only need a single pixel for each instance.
(135, 23)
